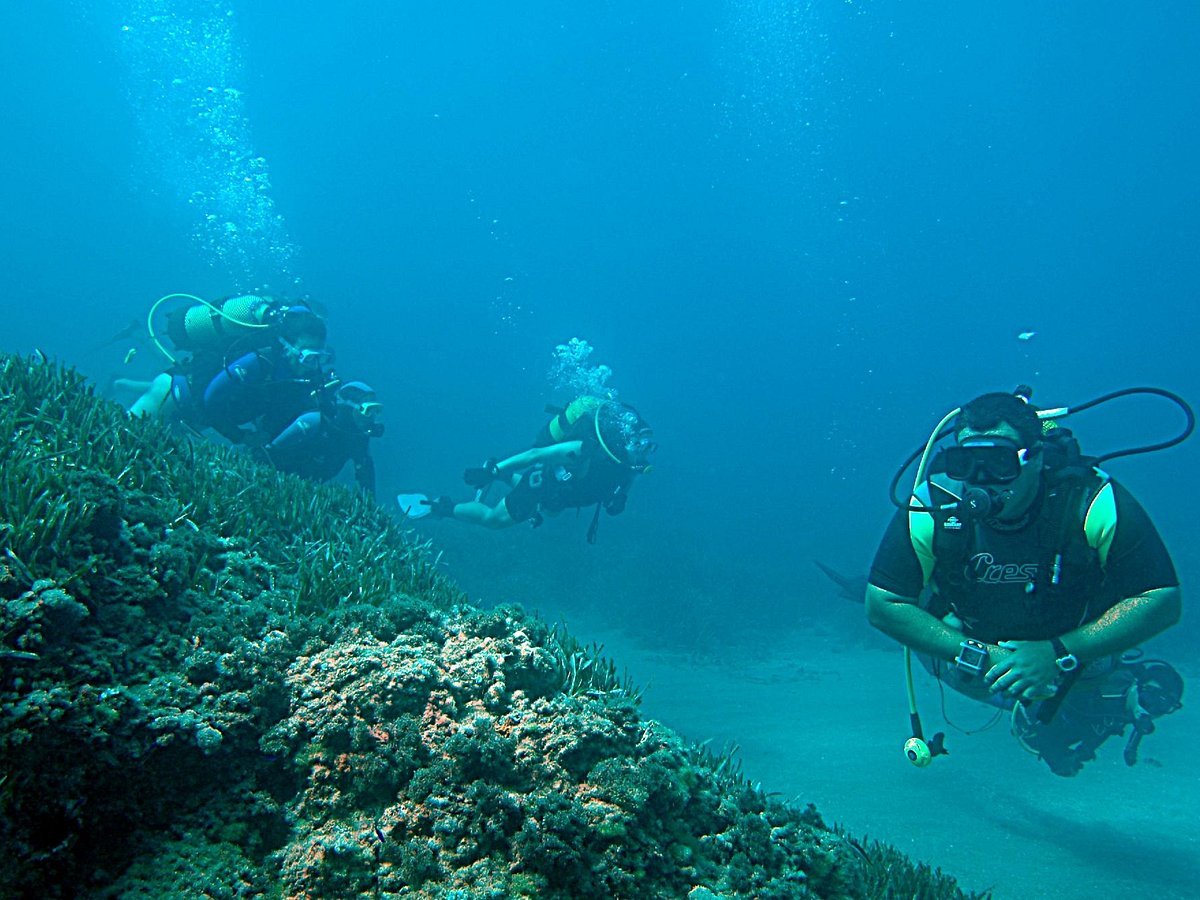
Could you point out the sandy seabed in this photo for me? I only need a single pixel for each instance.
(824, 723)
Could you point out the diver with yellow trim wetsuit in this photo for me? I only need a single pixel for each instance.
(1026, 577)
(590, 453)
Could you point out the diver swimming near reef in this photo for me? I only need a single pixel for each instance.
(254, 369)
(588, 454)
(1026, 577)
(318, 443)
(236, 360)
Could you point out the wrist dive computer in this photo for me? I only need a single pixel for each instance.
(972, 659)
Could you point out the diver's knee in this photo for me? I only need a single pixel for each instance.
(497, 517)
(151, 403)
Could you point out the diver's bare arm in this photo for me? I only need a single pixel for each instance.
(901, 618)
(555, 454)
(1129, 623)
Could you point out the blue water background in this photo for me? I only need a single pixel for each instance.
(797, 232)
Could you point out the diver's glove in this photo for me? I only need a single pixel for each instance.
(440, 507)
(615, 505)
(483, 475)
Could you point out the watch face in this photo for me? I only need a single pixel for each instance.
(1067, 663)
(972, 658)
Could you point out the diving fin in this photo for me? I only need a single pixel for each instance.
(851, 587)
(414, 506)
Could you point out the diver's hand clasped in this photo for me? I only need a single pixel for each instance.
(1027, 671)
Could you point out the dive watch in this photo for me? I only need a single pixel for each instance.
(972, 659)
(1064, 658)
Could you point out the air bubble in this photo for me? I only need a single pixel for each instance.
(199, 138)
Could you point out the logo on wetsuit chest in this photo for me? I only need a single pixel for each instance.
(537, 475)
(982, 568)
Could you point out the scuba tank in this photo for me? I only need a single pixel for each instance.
(613, 426)
(212, 328)
(569, 423)
(208, 326)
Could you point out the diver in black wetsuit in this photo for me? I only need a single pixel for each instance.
(589, 454)
(1025, 575)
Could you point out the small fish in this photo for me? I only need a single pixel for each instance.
(129, 331)
(130, 355)
(1026, 335)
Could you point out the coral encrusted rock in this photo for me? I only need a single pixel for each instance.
(217, 681)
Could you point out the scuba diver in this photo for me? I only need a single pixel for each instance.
(1027, 577)
(253, 364)
(589, 453)
(318, 443)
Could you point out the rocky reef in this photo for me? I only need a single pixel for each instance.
(217, 681)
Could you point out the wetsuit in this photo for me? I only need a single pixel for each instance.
(315, 446)
(258, 388)
(996, 586)
(551, 489)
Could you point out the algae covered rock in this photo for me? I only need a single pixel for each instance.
(219, 681)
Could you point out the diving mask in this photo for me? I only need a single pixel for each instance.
(308, 358)
(358, 401)
(364, 415)
(983, 460)
(640, 448)
(368, 410)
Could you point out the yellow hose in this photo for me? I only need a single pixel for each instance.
(922, 471)
(212, 306)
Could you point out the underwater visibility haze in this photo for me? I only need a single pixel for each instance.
(793, 234)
